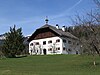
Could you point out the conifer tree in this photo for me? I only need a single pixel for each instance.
(13, 44)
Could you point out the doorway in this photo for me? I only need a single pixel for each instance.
(44, 51)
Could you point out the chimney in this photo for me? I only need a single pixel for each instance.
(73, 27)
(57, 26)
(63, 28)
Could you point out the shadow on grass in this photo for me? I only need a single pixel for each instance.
(18, 56)
(22, 56)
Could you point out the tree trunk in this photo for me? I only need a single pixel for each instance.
(96, 48)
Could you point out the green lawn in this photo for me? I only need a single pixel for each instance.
(50, 65)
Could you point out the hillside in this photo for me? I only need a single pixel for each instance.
(50, 65)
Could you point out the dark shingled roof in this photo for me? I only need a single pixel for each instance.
(59, 31)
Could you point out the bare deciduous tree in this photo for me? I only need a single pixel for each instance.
(89, 31)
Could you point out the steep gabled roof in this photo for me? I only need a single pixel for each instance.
(58, 31)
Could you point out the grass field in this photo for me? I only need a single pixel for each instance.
(50, 65)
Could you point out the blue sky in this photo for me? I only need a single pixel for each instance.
(30, 14)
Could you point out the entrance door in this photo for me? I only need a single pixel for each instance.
(44, 51)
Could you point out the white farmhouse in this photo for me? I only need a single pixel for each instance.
(53, 40)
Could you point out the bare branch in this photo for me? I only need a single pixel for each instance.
(97, 2)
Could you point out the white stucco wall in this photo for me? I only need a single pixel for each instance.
(51, 45)
(60, 44)
(72, 46)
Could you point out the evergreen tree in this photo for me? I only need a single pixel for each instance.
(13, 44)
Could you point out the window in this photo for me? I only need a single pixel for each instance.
(73, 43)
(37, 43)
(58, 40)
(64, 48)
(44, 42)
(69, 50)
(64, 40)
(58, 48)
(69, 42)
(50, 41)
(77, 43)
(50, 49)
(76, 52)
(31, 44)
